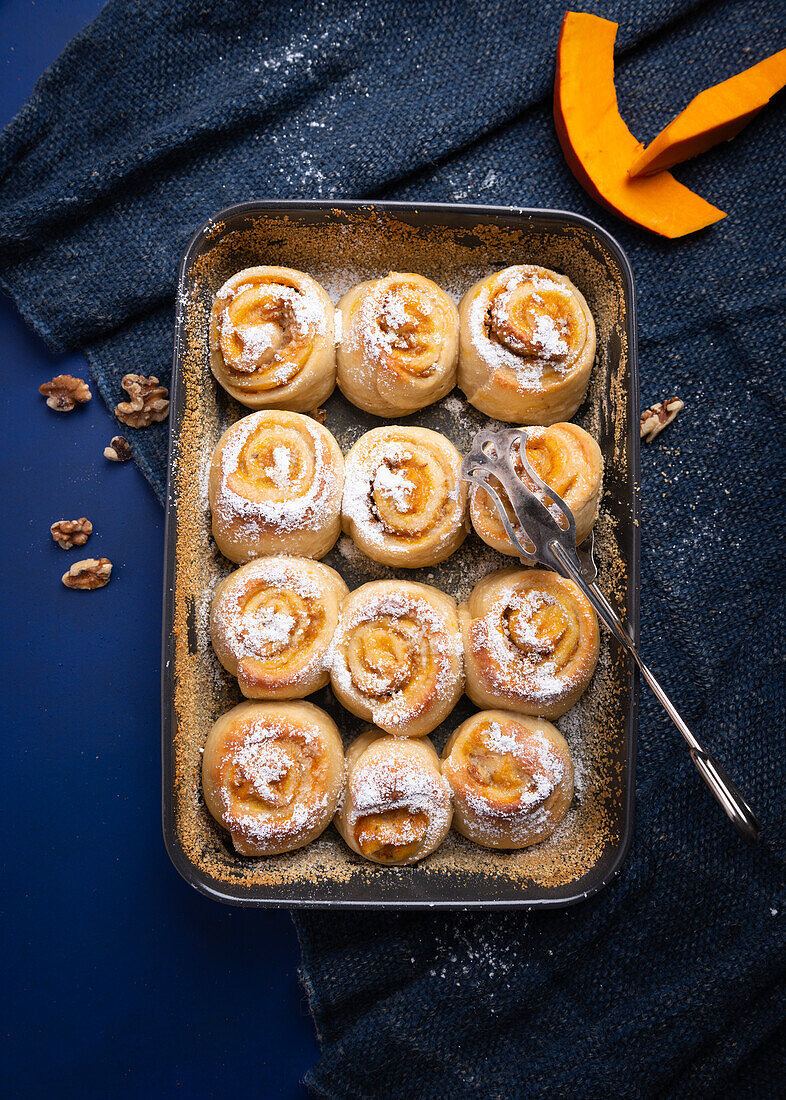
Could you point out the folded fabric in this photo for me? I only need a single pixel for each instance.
(671, 982)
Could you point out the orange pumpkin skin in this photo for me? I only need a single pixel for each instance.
(714, 115)
(599, 147)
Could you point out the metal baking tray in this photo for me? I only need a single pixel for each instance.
(342, 243)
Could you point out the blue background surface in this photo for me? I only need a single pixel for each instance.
(120, 980)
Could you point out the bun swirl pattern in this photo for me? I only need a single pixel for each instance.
(399, 344)
(272, 775)
(396, 807)
(272, 623)
(569, 460)
(530, 642)
(527, 345)
(511, 777)
(275, 487)
(397, 658)
(404, 502)
(272, 339)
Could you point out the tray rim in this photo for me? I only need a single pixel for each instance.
(195, 878)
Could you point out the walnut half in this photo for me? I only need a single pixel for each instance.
(71, 532)
(655, 419)
(148, 401)
(64, 392)
(88, 574)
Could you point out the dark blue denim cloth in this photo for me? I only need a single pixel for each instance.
(670, 983)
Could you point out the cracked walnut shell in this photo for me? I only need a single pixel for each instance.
(148, 401)
(71, 532)
(88, 574)
(659, 416)
(64, 392)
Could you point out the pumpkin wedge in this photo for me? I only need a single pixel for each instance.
(714, 115)
(598, 145)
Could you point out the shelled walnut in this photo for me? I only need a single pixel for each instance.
(148, 401)
(88, 574)
(64, 392)
(656, 418)
(71, 532)
(118, 449)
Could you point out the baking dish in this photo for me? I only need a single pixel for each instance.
(341, 243)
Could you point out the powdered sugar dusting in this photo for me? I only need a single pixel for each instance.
(395, 486)
(279, 472)
(398, 780)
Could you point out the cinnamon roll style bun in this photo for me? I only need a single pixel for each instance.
(272, 339)
(399, 344)
(569, 460)
(404, 501)
(272, 622)
(530, 642)
(511, 777)
(397, 658)
(527, 345)
(275, 487)
(272, 775)
(396, 807)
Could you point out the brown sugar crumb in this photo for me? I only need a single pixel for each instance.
(88, 574)
(148, 401)
(319, 414)
(71, 532)
(64, 392)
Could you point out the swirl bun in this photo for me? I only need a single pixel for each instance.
(527, 345)
(272, 339)
(272, 775)
(396, 807)
(530, 642)
(398, 346)
(511, 777)
(569, 460)
(275, 487)
(404, 502)
(272, 623)
(397, 657)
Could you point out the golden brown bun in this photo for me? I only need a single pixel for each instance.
(275, 487)
(530, 642)
(272, 623)
(396, 807)
(399, 344)
(511, 777)
(569, 460)
(397, 657)
(404, 501)
(272, 339)
(527, 345)
(272, 775)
